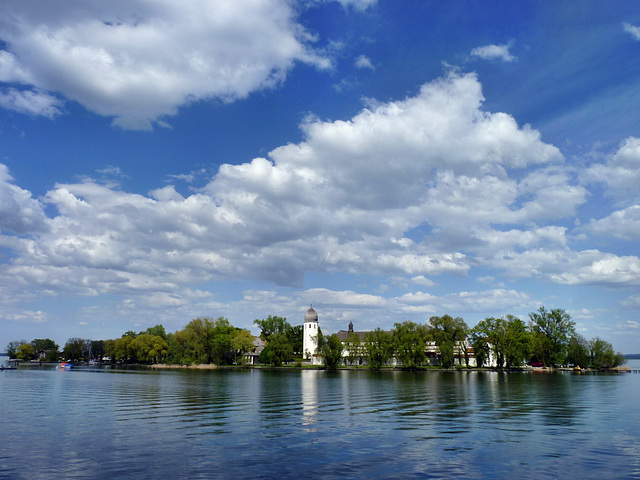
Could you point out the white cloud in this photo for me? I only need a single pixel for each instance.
(623, 224)
(31, 102)
(358, 4)
(364, 62)
(564, 266)
(20, 213)
(138, 61)
(633, 303)
(620, 173)
(346, 199)
(493, 52)
(632, 29)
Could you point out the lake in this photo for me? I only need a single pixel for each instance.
(135, 424)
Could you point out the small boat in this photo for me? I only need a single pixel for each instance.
(8, 367)
(64, 366)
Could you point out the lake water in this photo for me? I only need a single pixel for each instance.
(126, 424)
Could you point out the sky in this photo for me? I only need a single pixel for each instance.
(384, 161)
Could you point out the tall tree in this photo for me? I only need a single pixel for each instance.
(552, 330)
(578, 351)
(12, 348)
(332, 351)
(447, 332)
(409, 344)
(353, 347)
(242, 342)
(45, 348)
(378, 347)
(272, 325)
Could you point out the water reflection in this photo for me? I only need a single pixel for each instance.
(309, 381)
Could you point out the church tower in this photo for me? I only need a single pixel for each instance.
(310, 334)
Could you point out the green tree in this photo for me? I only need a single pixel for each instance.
(25, 352)
(76, 349)
(552, 330)
(158, 331)
(603, 355)
(12, 348)
(295, 335)
(353, 347)
(242, 342)
(45, 348)
(108, 349)
(378, 347)
(147, 348)
(277, 351)
(272, 325)
(578, 352)
(409, 344)
(447, 332)
(516, 343)
(122, 349)
(332, 351)
(221, 333)
(480, 343)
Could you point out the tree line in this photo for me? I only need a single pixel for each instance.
(549, 339)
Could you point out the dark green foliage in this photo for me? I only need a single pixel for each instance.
(551, 333)
(45, 349)
(578, 353)
(277, 351)
(332, 351)
(447, 332)
(409, 344)
(378, 347)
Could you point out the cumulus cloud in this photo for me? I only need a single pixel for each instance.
(346, 199)
(31, 102)
(620, 173)
(632, 29)
(138, 61)
(623, 224)
(364, 62)
(494, 52)
(20, 213)
(564, 266)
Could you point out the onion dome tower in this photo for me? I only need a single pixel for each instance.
(310, 333)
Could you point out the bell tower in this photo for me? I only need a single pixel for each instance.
(310, 333)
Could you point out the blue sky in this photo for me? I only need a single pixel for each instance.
(385, 160)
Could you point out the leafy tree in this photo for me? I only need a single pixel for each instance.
(130, 333)
(578, 353)
(25, 352)
(378, 347)
(45, 348)
(447, 332)
(221, 333)
(480, 343)
(409, 344)
(552, 330)
(158, 330)
(242, 342)
(295, 335)
(195, 340)
(332, 351)
(353, 347)
(277, 351)
(108, 349)
(96, 349)
(148, 348)
(76, 349)
(12, 348)
(272, 325)
(603, 355)
(516, 342)
(121, 349)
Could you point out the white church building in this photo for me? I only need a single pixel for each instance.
(310, 337)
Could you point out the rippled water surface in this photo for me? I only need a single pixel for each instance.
(129, 424)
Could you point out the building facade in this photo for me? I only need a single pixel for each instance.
(310, 335)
